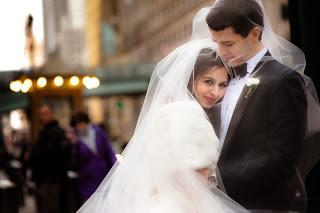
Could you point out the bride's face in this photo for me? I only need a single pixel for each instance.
(211, 86)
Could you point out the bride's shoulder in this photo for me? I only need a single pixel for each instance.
(182, 108)
(183, 104)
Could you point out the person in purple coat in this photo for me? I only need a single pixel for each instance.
(93, 154)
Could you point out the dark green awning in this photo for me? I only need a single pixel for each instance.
(122, 79)
(10, 101)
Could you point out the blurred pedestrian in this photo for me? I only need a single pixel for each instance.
(48, 161)
(93, 152)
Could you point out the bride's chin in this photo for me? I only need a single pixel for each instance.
(205, 106)
(209, 106)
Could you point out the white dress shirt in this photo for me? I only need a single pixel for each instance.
(233, 93)
(89, 138)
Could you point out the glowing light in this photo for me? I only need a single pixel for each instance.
(15, 119)
(95, 82)
(58, 81)
(74, 80)
(24, 88)
(28, 83)
(90, 82)
(41, 82)
(15, 85)
(86, 82)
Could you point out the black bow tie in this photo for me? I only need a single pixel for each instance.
(240, 70)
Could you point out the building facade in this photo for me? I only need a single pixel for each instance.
(143, 32)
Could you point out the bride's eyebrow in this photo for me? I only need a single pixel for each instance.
(213, 79)
(208, 76)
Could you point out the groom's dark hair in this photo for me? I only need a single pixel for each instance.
(241, 15)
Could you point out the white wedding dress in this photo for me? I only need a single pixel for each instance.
(173, 138)
(191, 144)
(160, 176)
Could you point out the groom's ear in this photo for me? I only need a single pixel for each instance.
(255, 34)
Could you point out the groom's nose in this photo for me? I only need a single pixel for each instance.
(223, 52)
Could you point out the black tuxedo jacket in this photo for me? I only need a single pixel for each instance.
(258, 157)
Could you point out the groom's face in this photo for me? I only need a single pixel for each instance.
(232, 47)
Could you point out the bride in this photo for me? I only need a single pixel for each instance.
(167, 162)
(174, 148)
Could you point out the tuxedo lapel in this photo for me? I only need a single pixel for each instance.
(244, 99)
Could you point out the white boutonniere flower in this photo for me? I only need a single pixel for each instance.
(252, 83)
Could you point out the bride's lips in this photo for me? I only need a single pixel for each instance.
(210, 100)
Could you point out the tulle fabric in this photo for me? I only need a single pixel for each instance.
(281, 49)
(157, 173)
(150, 178)
(285, 52)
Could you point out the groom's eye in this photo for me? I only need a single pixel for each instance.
(228, 44)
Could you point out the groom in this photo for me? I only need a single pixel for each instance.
(263, 124)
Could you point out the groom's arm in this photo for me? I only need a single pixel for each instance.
(287, 122)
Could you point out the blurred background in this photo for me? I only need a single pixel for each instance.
(96, 56)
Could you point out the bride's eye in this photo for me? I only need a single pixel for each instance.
(209, 82)
(223, 85)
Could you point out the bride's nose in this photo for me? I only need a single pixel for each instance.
(215, 91)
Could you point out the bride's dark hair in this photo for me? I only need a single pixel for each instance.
(206, 60)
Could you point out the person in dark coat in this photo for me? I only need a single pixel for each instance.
(48, 161)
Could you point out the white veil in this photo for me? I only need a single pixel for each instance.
(281, 49)
(288, 54)
(154, 171)
(172, 139)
